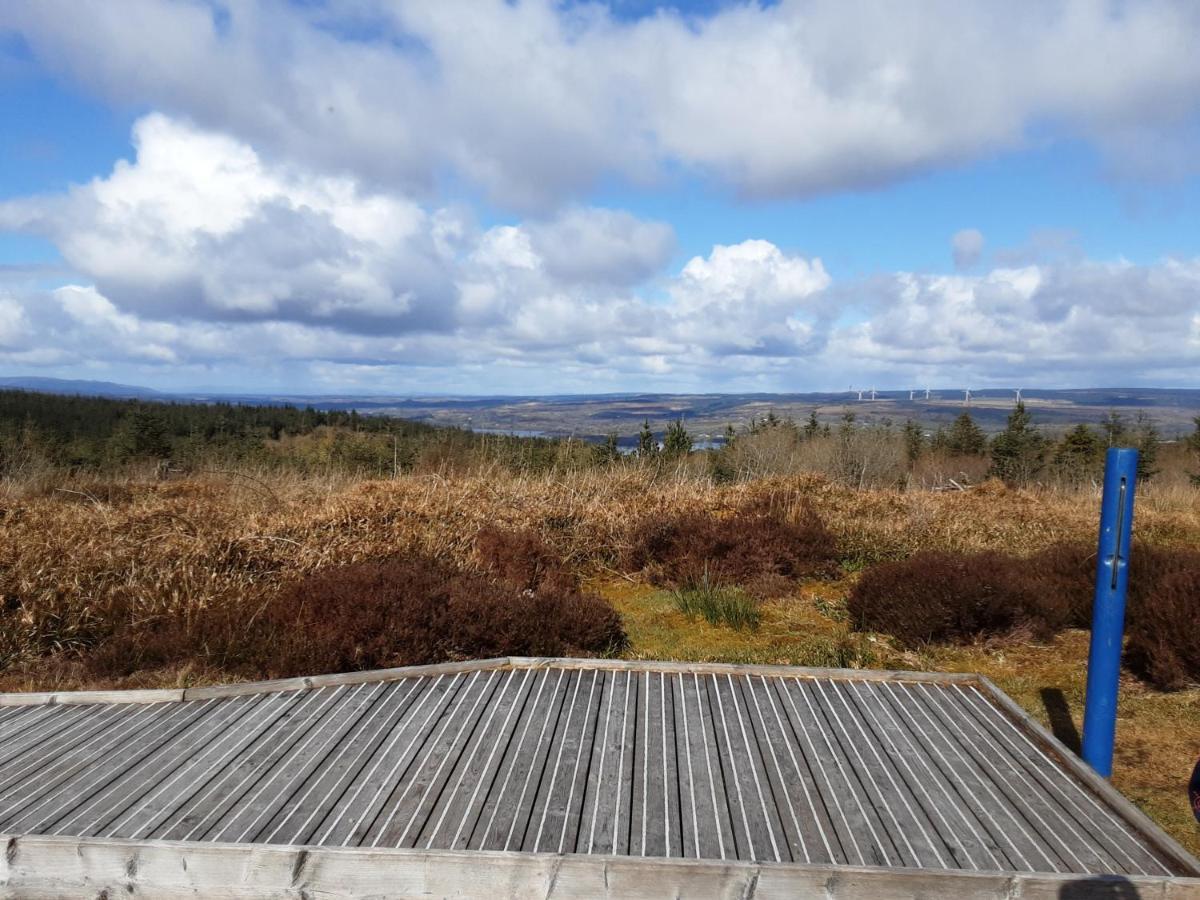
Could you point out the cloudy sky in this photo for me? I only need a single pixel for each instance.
(536, 197)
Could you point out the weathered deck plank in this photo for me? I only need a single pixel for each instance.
(594, 758)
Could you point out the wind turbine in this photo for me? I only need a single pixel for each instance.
(860, 393)
(872, 393)
(911, 395)
(967, 397)
(1018, 395)
(926, 393)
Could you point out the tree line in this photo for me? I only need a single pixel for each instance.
(40, 432)
(76, 433)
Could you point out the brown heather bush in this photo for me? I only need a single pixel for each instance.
(935, 596)
(1164, 645)
(759, 546)
(408, 610)
(521, 558)
(75, 568)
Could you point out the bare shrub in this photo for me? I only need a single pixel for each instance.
(758, 546)
(940, 469)
(402, 611)
(935, 596)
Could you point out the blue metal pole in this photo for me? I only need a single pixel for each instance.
(1108, 609)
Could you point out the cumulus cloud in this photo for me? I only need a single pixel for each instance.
(201, 249)
(14, 325)
(967, 247)
(534, 101)
(1080, 322)
(602, 246)
(204, 254)
(200, 225)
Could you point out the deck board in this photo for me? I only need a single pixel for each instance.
(578, 758)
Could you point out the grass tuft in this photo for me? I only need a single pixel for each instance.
(719, 604)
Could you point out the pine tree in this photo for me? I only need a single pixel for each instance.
(812, 426)
(677, 441)
(647, 446)
(1145, 438)
(1192, 441)
(608, 452)
(965, 437)
(1079, 455)
(1114, 427)
(1193, 444)
(914, 440)
(1019, 451)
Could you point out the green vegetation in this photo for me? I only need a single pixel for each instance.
(94, 434)
(53, 435)
(719, 604)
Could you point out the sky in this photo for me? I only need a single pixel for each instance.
(530, 197)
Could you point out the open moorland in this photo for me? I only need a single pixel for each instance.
(211, 578)
(147, 546)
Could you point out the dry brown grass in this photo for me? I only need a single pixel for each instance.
(72, 556)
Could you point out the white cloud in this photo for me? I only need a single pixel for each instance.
(201, 249)
(535, 101)
(14, 324)
(967, 247)
(602, 246)
(206, 255)
(1075, 322)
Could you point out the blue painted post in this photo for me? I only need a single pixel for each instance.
(1108, 609)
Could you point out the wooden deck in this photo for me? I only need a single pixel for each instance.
(832, 770)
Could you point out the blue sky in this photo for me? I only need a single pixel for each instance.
(537, 197)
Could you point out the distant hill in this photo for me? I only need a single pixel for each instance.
(592, 416)
(79, 386)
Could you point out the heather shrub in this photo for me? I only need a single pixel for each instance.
(401, 611)
(1062, 579)
(937, 596)
(521, 558)
(1163, 645)
(1163, 615)
(757, 546)
(932, 597)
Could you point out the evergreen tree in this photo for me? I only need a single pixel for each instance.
(846, 429)
(812, 426)
(647, 446)
(1114, 427)
(150, 435)
(1019, 451)
(1192, 441)
(965, 437)
(608, 452)
(677, 441)
(914, 440)
(1146, 438)
(1193, 444)
(1079, 455)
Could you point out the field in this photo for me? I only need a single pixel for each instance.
(82, 559)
